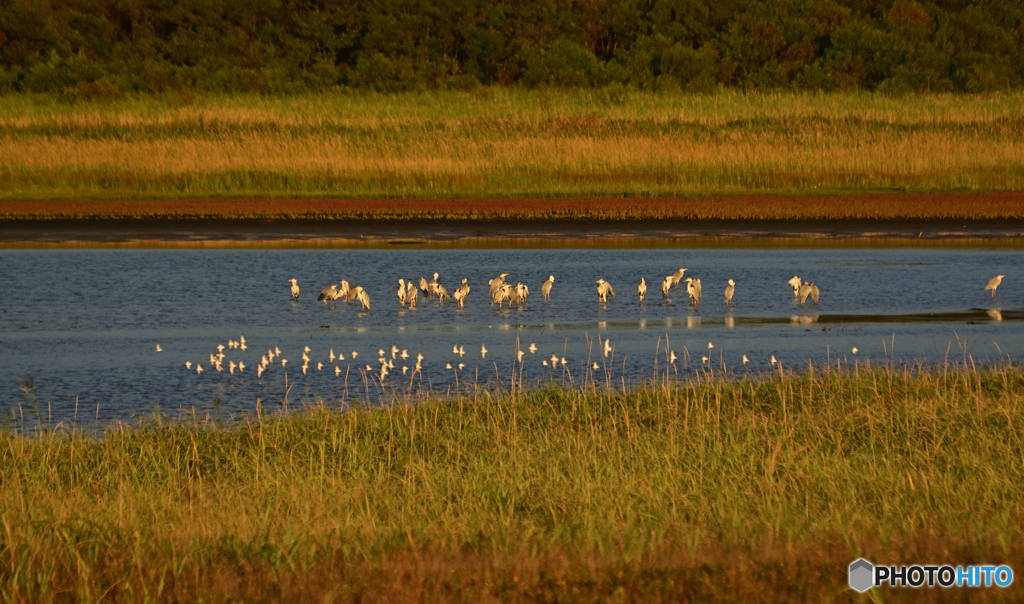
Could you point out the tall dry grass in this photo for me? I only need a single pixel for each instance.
(511, 143)
(760, 490)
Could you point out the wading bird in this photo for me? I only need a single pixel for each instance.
(603, 289)
(401, 292)
(665, 285)
(545, 290)
(328, 294)
(795, 283)
(497, 283)
(729, 291)
(424, 287)
(158, 349)
(693, 290)
(808, 289)
(295, 289)
(642, 288)
(461, 292)
(411, 294)
(364, 298)
(678, 276)
(994, 283)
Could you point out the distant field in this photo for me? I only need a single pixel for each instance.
(507, 144)
(712, 490)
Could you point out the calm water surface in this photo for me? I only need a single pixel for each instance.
(85, 324)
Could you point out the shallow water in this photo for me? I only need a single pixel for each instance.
(85, 323)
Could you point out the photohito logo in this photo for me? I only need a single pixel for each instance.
(865, 575)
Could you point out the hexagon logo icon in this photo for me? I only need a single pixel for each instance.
(861, 575)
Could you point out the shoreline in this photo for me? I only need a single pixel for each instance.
(483, 233)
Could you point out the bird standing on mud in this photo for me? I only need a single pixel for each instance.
(994, 283)
(295, 289)
(603, 289)
(642, 288)
(545, 290)
(729, 291)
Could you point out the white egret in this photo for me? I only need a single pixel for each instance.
(295, 289)
(642, 288)
(729, 290)
(992, 285)
(545, 290)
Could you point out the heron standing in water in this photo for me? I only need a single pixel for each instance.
(295, 289)
(693, 290)
(678, 276)
(424, 287)
(642, 288)
(807, 289)
(362, 296)
(665, 285)
(401, 292)
(461, 292)
(411, 294)
(795, 283)
(545, 290)
(603, 289)
(496, 283)
(729, 290)
(994, 283)
(328, 294)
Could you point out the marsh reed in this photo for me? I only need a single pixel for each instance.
(712, 489)
(509, 144)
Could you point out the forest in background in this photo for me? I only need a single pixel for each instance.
(96, 49)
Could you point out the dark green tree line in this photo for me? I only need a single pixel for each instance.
(96, 48)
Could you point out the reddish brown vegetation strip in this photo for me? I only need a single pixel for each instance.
(749, 207)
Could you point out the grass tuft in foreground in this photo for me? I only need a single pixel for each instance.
(721, 490)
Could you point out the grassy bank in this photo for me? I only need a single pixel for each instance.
(508, 144)
(761, 491)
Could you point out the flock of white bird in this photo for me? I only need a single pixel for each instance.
(499, 292)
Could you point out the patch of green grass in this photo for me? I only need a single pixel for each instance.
(759, 490)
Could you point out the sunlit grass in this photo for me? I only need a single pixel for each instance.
(757, 489)
(508, 143)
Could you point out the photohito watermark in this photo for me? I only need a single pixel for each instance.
(865, 575)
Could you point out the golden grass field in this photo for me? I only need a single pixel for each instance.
(431, 153)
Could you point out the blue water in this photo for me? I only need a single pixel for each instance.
(85, 323)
